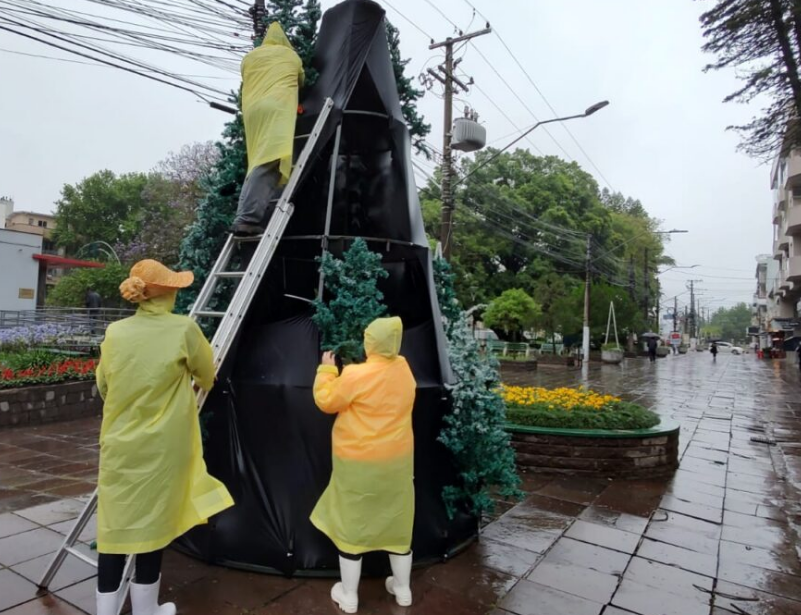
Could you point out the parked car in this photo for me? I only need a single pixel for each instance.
(727, 347)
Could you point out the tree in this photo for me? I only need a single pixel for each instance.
(418, 129)
(354, 300)
(552, 292)
(70, 291)
(102, 207)
(172, 194)
(474, 430)
(511, 314)
(730, 323)
(761, 40)
(521, 217)
(570, 313)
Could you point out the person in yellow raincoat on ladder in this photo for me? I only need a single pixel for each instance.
(153, 485)
(271, 78)
(369, 503)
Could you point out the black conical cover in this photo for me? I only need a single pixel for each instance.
(268, 442)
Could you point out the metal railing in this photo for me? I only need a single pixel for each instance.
(88, 324)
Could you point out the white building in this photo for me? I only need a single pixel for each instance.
(6, 209)
(20, 281)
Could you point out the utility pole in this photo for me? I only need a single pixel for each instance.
(675, 313)
(632, 280)
(258, 11)
(452, 84)
(646, 284)
(692, 309)
(658, 297)
(585, 341)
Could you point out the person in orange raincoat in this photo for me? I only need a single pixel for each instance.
(369, 503)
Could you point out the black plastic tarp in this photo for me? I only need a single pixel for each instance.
(267, 440)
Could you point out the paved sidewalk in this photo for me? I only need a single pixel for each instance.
(719, 538)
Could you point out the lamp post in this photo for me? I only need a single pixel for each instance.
(588, 112)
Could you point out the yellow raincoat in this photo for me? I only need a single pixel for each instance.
(369, 503)
(153, 485)
(271, 76)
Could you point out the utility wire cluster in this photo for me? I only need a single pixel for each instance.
(142, 37)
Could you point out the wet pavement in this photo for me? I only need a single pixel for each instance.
(721, 537)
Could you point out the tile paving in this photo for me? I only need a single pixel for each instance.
(719, 538)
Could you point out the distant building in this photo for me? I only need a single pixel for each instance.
(6, 209)
(26, 269)
(783, 278)
(31, 222)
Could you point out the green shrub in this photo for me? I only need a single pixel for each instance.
(71, 289)
(25, 359)
(619, 415)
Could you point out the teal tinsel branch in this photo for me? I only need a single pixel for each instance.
(474, 430)
(355, 301)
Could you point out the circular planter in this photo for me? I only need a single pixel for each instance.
(613, 356)
(637, 453)
(662, 352)
(683, 349)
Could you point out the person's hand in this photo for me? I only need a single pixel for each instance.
(329, 358)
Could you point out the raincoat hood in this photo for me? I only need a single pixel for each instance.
(383, 338)
(163, 304)
(275, 36)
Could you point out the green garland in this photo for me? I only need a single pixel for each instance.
(474, 431)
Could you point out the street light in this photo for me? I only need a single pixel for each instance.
(588, 112)
(677, 267)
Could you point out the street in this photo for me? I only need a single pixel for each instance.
(720, 537)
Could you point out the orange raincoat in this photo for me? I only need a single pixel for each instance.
(369, 503)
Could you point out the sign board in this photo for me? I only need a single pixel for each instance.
(27, 293)
(675, 338)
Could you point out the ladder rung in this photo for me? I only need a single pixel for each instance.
(81, 556)
(230, 274)
(248, 238)
(209, 314)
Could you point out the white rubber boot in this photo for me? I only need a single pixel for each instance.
(107, 603)
(346, 593)
(399, 583)
(145, 600)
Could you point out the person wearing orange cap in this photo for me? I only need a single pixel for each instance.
(369, 503)
(153, 485)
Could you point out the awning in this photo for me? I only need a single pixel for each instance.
(52, 260)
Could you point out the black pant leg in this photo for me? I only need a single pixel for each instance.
(109, 572)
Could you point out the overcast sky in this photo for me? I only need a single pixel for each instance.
(661, 140)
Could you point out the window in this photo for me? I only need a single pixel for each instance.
(43, 223)
(30, 221)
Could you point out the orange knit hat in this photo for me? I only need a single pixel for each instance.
(149, 278)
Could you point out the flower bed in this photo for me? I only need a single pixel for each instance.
(566, 408)
(62, 370)
(22, 337)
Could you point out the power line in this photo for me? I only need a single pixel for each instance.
(444, 15)
(426, 34)
(541, 94)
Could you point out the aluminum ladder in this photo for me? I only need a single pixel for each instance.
(230, 321)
